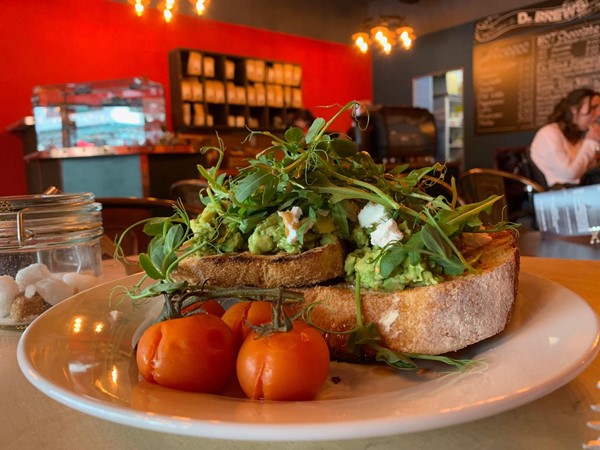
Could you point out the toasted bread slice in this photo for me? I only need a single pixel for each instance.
(429, 320)
(266, 271)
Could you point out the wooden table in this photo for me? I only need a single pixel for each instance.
(534, 243)
(30, 420)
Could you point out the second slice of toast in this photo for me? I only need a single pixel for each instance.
(433, 319)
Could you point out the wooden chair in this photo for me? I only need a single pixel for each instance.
(478, 184)
(118, 213)
(188, 190)
(518, 160)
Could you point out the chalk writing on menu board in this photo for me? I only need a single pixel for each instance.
(518, 80)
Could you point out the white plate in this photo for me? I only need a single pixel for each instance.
(80, 354)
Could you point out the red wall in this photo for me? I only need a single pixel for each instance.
(61, 41)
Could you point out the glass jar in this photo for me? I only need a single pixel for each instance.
(49, 250)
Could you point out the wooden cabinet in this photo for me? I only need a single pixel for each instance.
(218, 91)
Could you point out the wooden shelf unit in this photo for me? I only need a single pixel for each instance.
(226, 92)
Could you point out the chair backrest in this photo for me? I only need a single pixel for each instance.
(478, 184)
(535, 173)
(188, 190)
(118, 213)
(517, 160)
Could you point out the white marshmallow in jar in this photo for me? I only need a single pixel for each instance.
(49, 250)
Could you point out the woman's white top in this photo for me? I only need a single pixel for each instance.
(560, 161)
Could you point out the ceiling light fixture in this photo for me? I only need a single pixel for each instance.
(385, 33)
(168, 7)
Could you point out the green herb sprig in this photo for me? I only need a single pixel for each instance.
(318, 170)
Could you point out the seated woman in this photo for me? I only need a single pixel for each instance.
(566, 147)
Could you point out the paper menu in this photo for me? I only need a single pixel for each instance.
(569, 212)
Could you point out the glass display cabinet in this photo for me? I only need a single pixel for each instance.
(126, 112)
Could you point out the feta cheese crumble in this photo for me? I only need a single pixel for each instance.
(371, 214)
(385, 233)
(387, 229)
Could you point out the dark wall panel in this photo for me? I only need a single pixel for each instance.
(440, 52)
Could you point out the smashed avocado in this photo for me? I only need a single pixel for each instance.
(360, 236)
(270, 236)
(216, 233)
(365, 262)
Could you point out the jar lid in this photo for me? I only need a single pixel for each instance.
(33, 220)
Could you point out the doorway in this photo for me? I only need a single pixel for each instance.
(442, 94)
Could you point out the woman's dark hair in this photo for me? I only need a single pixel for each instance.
(563, 115)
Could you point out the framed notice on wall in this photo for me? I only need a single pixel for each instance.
(518, 79)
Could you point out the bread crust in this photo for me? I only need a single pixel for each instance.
(433, 319)
(267, 271)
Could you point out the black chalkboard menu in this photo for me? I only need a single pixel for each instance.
(518, 80)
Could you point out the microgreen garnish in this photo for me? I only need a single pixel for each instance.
(317, 171)
(323, 175)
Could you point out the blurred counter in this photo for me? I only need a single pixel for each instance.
(141, 171)
(109, 171)
(129, 171)
(83, 152)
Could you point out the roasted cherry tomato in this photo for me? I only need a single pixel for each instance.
(242, 313)
(290, 365)
(195, 353)
(210, 306)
